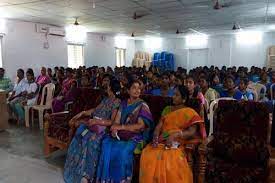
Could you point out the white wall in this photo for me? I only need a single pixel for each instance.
(23, 48)
(223, 50)
(101, 52)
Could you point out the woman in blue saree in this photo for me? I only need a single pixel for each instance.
(85, 148)
(131, 131)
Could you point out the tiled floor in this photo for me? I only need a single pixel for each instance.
(22, 160)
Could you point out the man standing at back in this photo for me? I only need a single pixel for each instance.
(5, 82)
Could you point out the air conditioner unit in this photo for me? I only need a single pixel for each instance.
(56, 31)
(41, 28)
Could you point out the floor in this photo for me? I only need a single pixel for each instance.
(22, 160)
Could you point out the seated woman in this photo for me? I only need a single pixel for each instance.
(132, 129)
(43, 78)
(230, 89)
(209, 93)
(246, 93)
(59, 103)
(85, 148)
(164, 160)
(68, 92)
(193, 89)
(215, 83)
(85, 81)
(28, 97)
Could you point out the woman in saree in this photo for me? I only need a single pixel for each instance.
(43, 78)
(59, 103)
(85, 148)
(164, 161)
(132, 129)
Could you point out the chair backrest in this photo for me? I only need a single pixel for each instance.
(88, 98)
(163, 55)
(261, 90)
(213, 106)
(38, 91)
(156, 56)
(47, 94)
(157, 104)
(241, 132)
(271, 91)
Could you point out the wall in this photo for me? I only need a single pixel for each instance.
(101, 52)
(23, 48)
(223, 50)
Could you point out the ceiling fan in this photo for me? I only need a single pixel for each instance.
(136, 16)
(219, 4)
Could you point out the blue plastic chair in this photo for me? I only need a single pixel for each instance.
(156, 59)
(170, 64)
(163, 60)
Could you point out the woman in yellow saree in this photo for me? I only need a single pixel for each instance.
(164, 161)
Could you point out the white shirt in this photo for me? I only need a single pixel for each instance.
(20, 87)
(31, 88)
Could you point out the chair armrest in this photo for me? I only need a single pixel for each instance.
(202, 161)
(190, 150)
(68, 106)
(60, 117)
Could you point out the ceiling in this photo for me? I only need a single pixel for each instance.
(163, 17)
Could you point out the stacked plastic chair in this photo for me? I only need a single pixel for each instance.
(156, 59)
(164, 61)
(142, 59)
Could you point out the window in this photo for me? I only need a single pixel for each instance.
(75, 55)
(1, 56)
(120, 57)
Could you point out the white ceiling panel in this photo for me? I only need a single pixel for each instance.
(162, 16)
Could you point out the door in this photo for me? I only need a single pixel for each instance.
(197, 58)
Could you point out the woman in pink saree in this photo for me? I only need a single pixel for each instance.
(43, 79)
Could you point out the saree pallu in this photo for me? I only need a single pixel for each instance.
(85, 148)
(160, 165)
(82, 156)
(116, 160)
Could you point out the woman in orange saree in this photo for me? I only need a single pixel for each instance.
(164, 161)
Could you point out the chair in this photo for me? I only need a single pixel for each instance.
(156, 59)
(271, 91)
(163, 60)
(170, 63)
(213, 106)
(45, 103)
(28, 107)
(238, 151)
(261, 91)
(57, 132)
(148, 60)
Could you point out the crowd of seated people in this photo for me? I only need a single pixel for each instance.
(102, 148)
